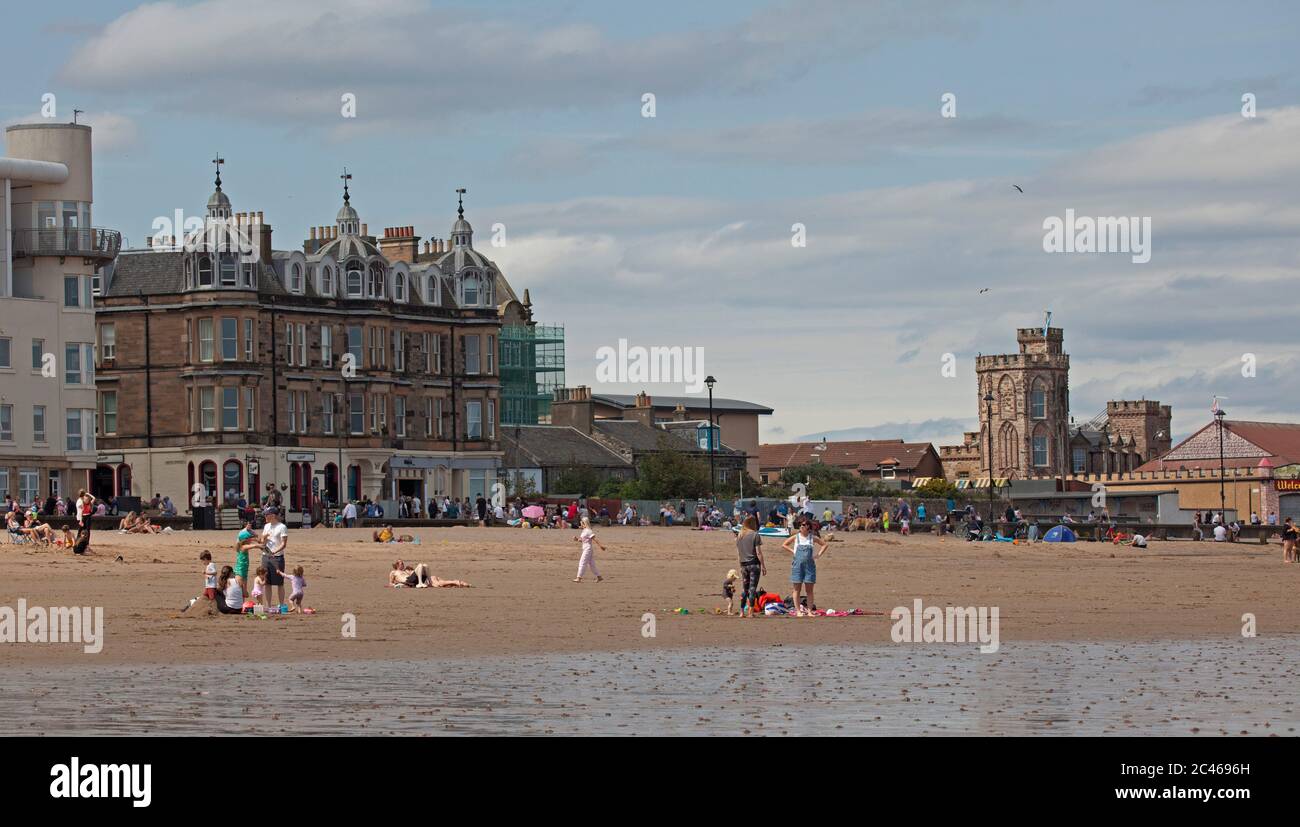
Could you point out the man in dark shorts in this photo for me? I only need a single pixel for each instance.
(275, 539)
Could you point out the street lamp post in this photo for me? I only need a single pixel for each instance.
(710, 381)
(988, 411)
(1223, 499)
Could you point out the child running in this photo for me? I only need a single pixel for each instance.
(588, 560)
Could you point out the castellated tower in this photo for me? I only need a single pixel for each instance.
(1031, 407)
(1144, 424)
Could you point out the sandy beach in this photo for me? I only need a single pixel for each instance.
(525, 603)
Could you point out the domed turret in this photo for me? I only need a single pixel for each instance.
(462, 234)
(219, 203)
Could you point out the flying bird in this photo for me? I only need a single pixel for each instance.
(985, 290)
(1018, 189)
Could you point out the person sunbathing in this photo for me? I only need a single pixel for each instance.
(144, 526)
(37, 530)
(386, 535)
(128, 522)
(420, 578)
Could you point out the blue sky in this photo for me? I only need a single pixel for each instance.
(675, 230)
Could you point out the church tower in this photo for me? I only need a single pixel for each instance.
(1029, 432)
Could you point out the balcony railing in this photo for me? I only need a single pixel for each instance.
(83, 242)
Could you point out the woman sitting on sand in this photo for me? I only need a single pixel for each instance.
(128, 522)
(143, 526)
(419, 578)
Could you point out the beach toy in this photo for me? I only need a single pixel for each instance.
(284, 609)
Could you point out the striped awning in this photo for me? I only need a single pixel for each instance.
(963, 483)
(920, 481)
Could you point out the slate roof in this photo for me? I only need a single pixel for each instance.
(551, 446)
(862, 454)
(623, 400)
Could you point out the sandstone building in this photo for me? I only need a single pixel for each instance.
(355, 366)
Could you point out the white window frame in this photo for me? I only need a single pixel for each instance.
(326, 346)
(399, 416)
(207, 408)
(40, 423)
(473, 419)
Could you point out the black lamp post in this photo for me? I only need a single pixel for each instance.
(988, 415)
(1223, 500)
(710, 381)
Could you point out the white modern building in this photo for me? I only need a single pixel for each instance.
(49, 255)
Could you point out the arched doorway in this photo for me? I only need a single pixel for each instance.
(102, 484)
(208, 476)
(232, 480)
(299, 485)
(124, 480)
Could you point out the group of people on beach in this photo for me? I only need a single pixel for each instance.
(228, 587)
(805, 547)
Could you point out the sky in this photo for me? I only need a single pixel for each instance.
(678, 230)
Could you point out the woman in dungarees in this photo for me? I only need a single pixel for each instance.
(805, 547)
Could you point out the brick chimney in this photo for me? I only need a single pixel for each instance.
(573, 407)
(400, 244)
(261, 233)
(679, 413)
(643, 411)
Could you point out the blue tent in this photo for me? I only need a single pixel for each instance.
(1059, 534)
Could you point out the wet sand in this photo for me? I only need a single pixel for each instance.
(1203, 687)
(524, 602)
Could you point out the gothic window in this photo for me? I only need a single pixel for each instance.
(1009, 449)
(1038, 401)
(1007, 397)
(205, 271)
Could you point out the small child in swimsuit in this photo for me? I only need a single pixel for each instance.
(729, 589)
(298, 583)
(258, 582)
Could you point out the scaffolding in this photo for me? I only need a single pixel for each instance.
(532, 368)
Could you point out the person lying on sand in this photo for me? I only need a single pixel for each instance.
(419, 578)
(385, 535)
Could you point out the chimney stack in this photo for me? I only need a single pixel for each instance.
(644, 411)
(573, 408)
(400, 244)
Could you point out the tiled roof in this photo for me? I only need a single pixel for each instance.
(1244, 445)
(864, 454)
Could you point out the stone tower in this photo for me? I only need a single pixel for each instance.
(1030, 409)
(1145, 425)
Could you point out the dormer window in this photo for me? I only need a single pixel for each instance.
(434, 295)
(249, 272)
(376, 285)
(469, 289)
(205, 271)
(356, 278)
(399, 287)
(229, 273)
(295, 278)
(327, 281)
(189, 273)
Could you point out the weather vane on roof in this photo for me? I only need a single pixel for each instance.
(218, 161)
(460, 201)
(346, 176)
